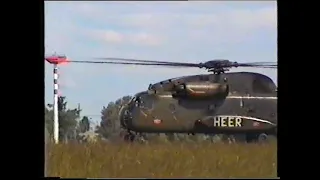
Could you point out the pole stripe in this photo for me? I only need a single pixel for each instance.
(56, 86)
(55, 76)
(55, 80)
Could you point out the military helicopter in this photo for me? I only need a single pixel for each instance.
(218, 103)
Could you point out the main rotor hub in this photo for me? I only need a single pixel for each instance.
(218, 66)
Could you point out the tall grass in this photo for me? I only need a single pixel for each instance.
(163, 160)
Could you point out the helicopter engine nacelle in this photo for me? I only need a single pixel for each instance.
(198, 90)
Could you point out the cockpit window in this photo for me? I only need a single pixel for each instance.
(132, 99)
(131, 102)
(262, 86)
(145, 102)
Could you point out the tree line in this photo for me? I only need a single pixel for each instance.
(73, 126)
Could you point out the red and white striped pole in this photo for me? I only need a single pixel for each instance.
(55, 104)
(55, 60)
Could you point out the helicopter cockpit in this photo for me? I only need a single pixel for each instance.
(141, 100)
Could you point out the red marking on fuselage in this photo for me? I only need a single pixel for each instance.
(157, 121)
(256, 124)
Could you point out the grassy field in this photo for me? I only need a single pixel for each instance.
(166, 160)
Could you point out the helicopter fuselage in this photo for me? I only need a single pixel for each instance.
(234, 114)
(217, 104)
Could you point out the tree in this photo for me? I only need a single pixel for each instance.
(67, 120)
(110, 123)
(48, 117)
(84, 124)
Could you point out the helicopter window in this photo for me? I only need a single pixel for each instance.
(225, 79)
(261, 86)
(137, 101)
(145, 102)
(132, 99)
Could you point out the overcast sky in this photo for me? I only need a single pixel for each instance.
(167, 31)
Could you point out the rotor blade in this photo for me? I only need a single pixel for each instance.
(257, 66)
(141, 60)
(176, 64)
(260, 63)
(143, 64)
(167, 62)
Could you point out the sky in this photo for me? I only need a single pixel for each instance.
(166, 31)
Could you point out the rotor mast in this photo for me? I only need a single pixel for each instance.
(218, 70)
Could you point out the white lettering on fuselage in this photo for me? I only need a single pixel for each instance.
(227, 121)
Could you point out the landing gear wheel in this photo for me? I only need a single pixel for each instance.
(262, 138)
(129, 137)
(126, 137)
(141, 138)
